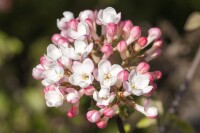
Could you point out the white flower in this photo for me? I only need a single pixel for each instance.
(150, 112)
(72, 96)
(62, 23)
(103, 101)
(138, 84)
(65, 61)
(86, 14)
(52, 75)
(82, 73)
(53, 52)
(107, 73)
(38, 71)
(81, 33)
(80, 51)
(108, 15)
(54, 98)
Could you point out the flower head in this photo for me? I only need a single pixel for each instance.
(104, 66)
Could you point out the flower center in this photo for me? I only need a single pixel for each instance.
(85, 77)
(133, 86)
(107, 76)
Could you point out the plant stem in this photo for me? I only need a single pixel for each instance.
(119, 124)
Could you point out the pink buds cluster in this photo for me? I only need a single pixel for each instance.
(77, 64)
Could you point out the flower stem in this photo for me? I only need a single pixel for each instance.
(119, 124)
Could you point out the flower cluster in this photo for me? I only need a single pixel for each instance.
(100, 56)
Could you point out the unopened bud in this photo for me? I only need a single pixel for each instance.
(73, 24)
(111, 29)
(55, 38)
(142, 41)
(123, 75)
(109, 112)
(73, 111)
(107, 49)
(143, 67)
(102, 123)
(126, 29)
(134, 35)
(154, 34)
(89, 90)
(93, 116)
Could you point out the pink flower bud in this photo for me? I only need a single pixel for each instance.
(122, 46)
(73, 111)
(48, 88)
(72, 97)
(102, 123)
(150, 76)
(152, 55)
(126, 29)
(109, 112)
(111, 29)
(156, 75)
(142, 41)
(143, 67)
(37, 72)
(89, 90)
(154, 33)
(62, 41)
(72, 24)
(93, 116)
(158, 43)
(89, 22)
(123, 75)
(52, 88)
(107, 49)
(55, 38)
(44, 62)
(134, 34)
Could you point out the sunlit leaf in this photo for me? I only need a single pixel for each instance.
(145, 122)
(193, 22)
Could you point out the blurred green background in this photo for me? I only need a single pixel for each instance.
(25, 30)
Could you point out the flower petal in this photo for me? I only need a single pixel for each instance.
(77, 67)
(53, 52)
(141, 81)
(147, 89)
(115, 69)
(127, 86)
(88, 65)
(137, 92)
(75, 79)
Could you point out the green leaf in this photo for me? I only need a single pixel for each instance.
(145, 122)
(182, 125)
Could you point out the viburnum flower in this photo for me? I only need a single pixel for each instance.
(108, 15)
(82, 73)
(107, 73)
(53, 96)
(138, 84)
(103, 100)
(100, 56)
(80, 50)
